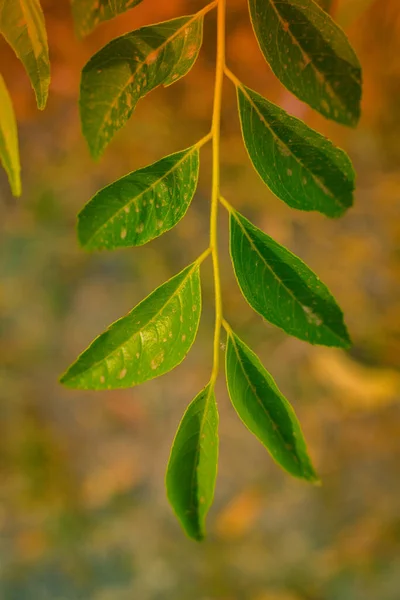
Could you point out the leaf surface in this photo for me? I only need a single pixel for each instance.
(192, 467)
(300, 166)
(310, 55)
(22, 24)
(150, 341)
(9, 152)
(265, 411)
(282, 288)
(142, 205)
(128, 68)
(89, 13)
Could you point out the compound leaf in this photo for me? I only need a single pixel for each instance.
(192, 467)
(300, 166)
(89, 13)
(9, 152)
(22, 24)
(264, 410)
(150, 341)
(128, 68)
(142, 205)
(310, 55)
(282, 288)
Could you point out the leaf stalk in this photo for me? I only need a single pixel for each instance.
(215, 190)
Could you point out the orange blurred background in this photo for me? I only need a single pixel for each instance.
(83, 512)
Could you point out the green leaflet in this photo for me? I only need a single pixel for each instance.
(9, 153)
(300, 166)
(89, 13)
(192, 467)
(128, 68)
(281, 288)
(264, 410)
(142, 205)
(150, 341)
(22, 24)
(311, 56)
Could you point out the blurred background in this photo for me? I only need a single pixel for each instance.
(83, 512)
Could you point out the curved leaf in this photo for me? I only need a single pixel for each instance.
(265, 411)
(22, 24)
(310, 55)
(192, 467)
(142, 205)
(150, 341)
(89, 13)
(281, 288)
(300, 166)
(128, 68)
(9, 152)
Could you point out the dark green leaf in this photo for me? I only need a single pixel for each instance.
(299, 165)
(9, 153)
(150, 341)
(192, 467)
(264, 410)
(281, 288)
(311, 56)
(22, 24)
(89, 13)
(130, 67)
(142, 205)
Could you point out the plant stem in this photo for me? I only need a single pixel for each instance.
(215, 192)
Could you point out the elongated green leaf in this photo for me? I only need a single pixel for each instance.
(130, 67)
(300, 166)
(311, 56)
(142, 205)
(9, 152)
(150, 341)
(22, 24)
(265, 411)
(89, 13)
(281, 288)
(192, 467)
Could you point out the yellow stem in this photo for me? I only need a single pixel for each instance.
(203, 256)
(226, 204)
(215, 192)
(232, 77)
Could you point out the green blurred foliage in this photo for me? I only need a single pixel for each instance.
(83, 512)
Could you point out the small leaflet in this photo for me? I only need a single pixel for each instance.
(22, 24)
(282, 288)
(310, 55)
(128, 68)
(148, 342)
(192, 467)
(9, 152)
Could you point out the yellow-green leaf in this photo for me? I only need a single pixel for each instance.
(130, 67)
(22, 24)
(192, 467)
(142, 205)
(148, 342)
(9, 152)
(89, 13)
